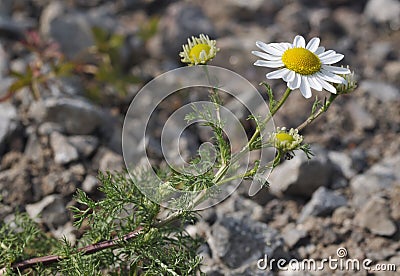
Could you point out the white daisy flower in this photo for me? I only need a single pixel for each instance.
(286, 140)
(302, 66)
(199, 50)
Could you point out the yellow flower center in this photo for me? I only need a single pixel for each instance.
(301, 60)
(283, 137)
(197, 49)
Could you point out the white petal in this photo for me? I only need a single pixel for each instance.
(313, 44)
(326, 75)
(267, 63)
(326, 53)
(336, 70)
(295, 83)
(299, 41)
(319, 50)
(269, 49)
(286, 45)
(277, 46)
(314, 83)
(290, 76)
(278, 74)
(332, 58)
(305, 87)
(265, 55)
(328, 86)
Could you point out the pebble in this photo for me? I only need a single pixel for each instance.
(50, 210)
(374, 216)
(64, 152)
(300, 176)
(322, 203)
(75, 115)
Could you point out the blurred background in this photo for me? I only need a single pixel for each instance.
(69, 69)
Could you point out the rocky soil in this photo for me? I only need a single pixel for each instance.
(347, 196)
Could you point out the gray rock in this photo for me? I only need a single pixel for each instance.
(48, 127)
(241, 207)
(3, 62)
(15, 185)
(66, 231)
(181, 21)
(90, 184)
(378, 180)
(375, 217)
(12, 29)
(343, 162)
(49, 183)
(50, 210)
(85, 144)
(76, 116)
(6, 8)
(61, 25)
(300, 176)
(379, 53)
(8, 123)
(360, 117)
(239, 242)
(33, 149)
(108, 160)
(292, 235)
(384, 11)
(64, 152)
(322, 203)
(380, 90)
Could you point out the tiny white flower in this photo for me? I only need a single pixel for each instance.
(199, 50)
(285, 140)
(302, 66)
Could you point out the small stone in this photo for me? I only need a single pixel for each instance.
(342, 214)
(374, 216)
(76, 116)
(379, 249)
(90, 184)
(380, 90)
(292, 236)
(49, 183)
(58, 24)
(85, 144)
(50, 210)
(4, 64)
(322, 203)
(8, 123)
(109, 160)
(33, 149)
(238, 242)
(15, 186)
(64, 152)
(378, 180)
(48, 127)
(343, 162)
(78, 170)
(360, 117)
(65, 231)
(383, 11)
(300, 176)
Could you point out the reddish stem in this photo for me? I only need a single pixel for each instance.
(86, 250)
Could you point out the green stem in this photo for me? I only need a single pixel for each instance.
(272, 113)
(314, 116)
(225, 166)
